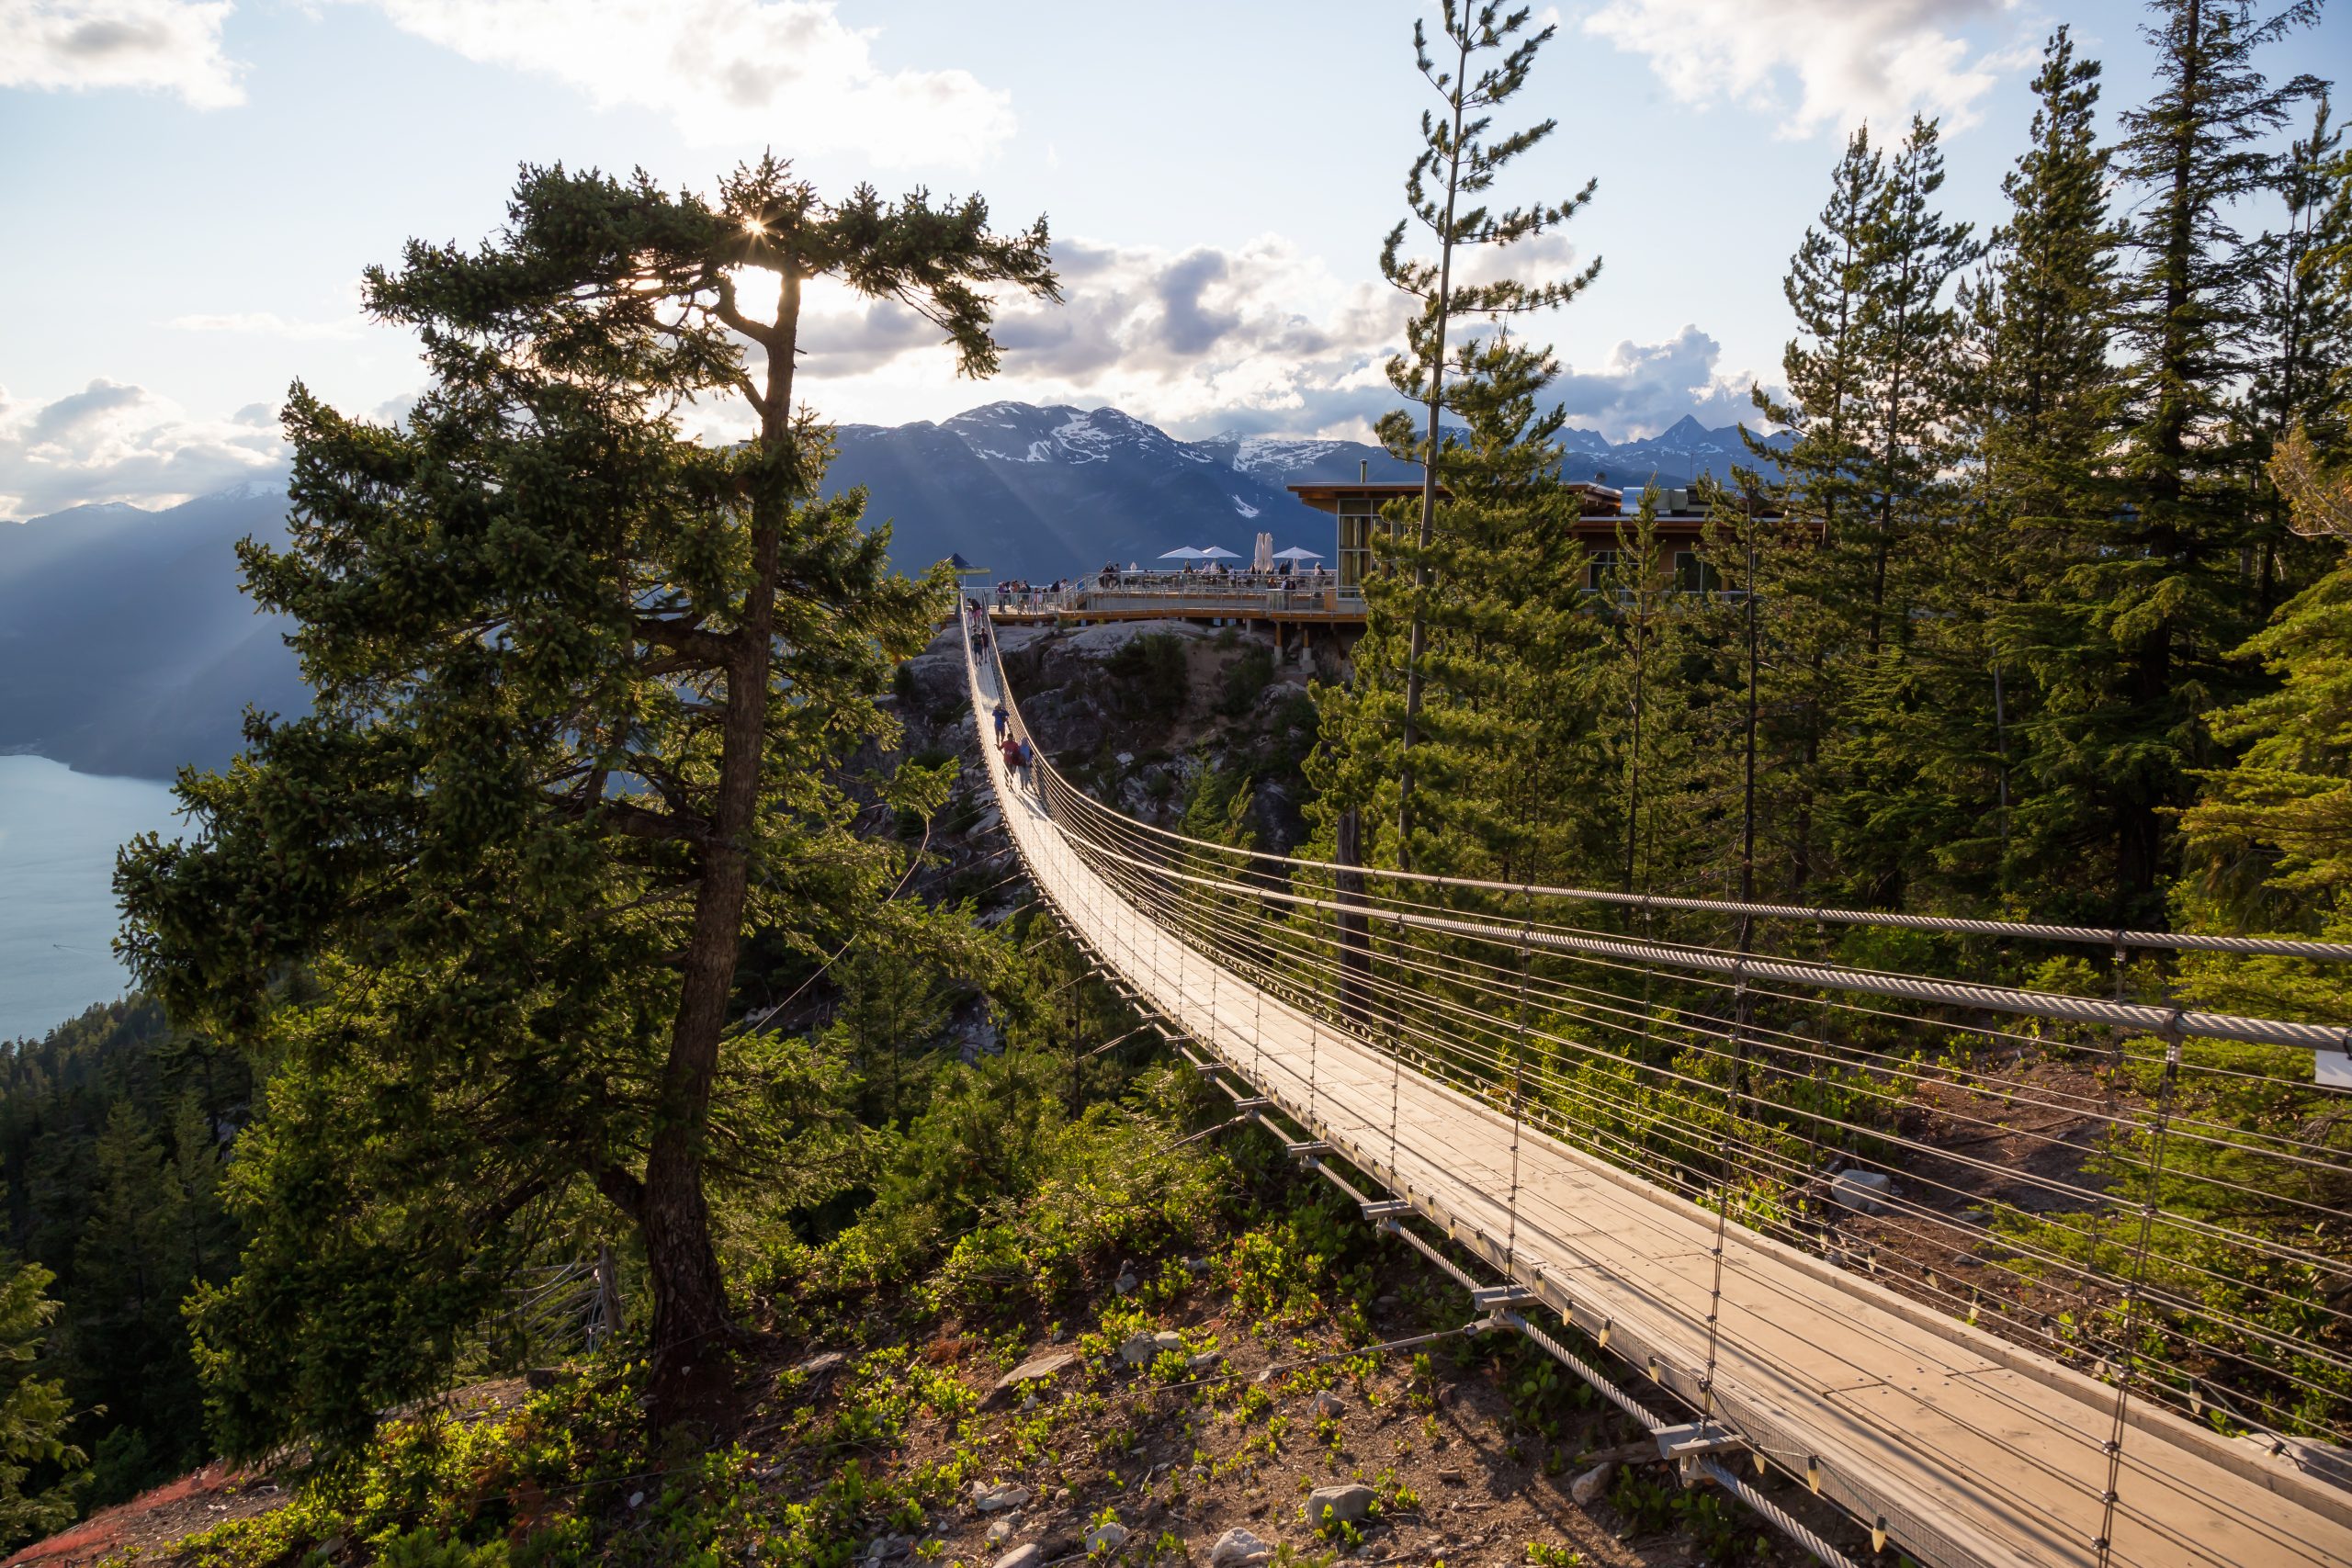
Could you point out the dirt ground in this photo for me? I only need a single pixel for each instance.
(1469, 1477)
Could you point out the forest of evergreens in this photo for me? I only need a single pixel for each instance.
(2044, 607)
(2050, 615)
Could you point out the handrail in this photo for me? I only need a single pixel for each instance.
(2184, 941)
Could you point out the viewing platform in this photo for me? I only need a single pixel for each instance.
(1305, 600)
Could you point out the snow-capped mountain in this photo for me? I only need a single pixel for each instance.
(126, 645)
(1046, 492)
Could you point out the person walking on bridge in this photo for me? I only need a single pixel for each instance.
(1011, 751)
(1001, 721)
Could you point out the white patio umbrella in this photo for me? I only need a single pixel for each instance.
(1261, 553)
(1296, 552)
(1215, 553)
(1183, 552)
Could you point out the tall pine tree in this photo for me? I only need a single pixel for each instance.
(2172, 585)
(1445, 191)
(2049, 398)
(1825, 500)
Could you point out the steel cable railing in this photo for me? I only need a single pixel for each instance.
(1611, 1044)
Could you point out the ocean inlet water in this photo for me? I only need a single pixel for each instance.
(59, 832)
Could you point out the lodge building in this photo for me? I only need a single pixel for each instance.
(1333, 597)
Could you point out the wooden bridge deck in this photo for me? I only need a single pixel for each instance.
(1973, 1450)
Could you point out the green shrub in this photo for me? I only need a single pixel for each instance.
(1244, 678)
(1149, 677)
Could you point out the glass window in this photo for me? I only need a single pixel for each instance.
(1693, 575)
(1357, 516)
(1601, 566)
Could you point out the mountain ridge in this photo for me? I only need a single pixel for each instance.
(127, 646)
(1035, 491)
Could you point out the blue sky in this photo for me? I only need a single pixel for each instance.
(196, 185)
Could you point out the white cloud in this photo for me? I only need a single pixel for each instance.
(1177, 337)
(268, 323)
(1642, 388)
(113, 441)
(790, 73)
(1848, 61)
(1260, 338)
(170, 46)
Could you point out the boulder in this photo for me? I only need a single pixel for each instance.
(1236, 1548)
(1106, 1538)
(1102, 641)
(1348, 1504)
(1000, 1532)
(1036, 1369)
(1863, 1192)
(994, 1496)
(1589, 1488)
(1028, 1554)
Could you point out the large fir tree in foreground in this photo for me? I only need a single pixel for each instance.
(583, 689)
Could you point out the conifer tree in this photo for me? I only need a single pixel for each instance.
(1457, 164)
(2046, 400)
(2048, 391)
(1909, 332)
(2303, 333)
(1645, 724)
(2269, 847)
(34, 1412)
(1895, 694)
(135, 1264)
(1812, 591)
(1502, 710)
(2163, 586)
(582, 691)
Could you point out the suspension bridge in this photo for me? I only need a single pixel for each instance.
(1905, 1241)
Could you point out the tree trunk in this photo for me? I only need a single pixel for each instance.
(692, 1332)
(1415, 640)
